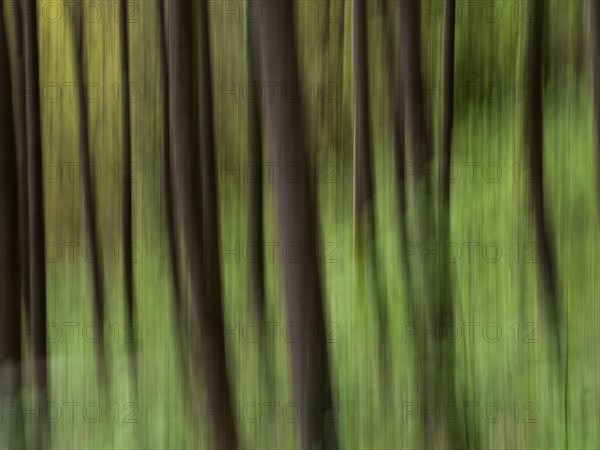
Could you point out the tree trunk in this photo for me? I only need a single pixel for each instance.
(432, 305)
(534, 139)
(166, 155)
(126, 204)
(36, 212)
(167, 181)
(89, 207)
(187, 192)
(10, 283)
(363, 178)
(364, 209)
(18, 74)
(210, 208)
(297, 225)
(594, 58)
(447, 99)
(255, 187)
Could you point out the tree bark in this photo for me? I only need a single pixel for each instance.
(10, 282)
(89, 206)
(432, 304)
(363, 174)
(534, 139)
(255, 188)
(594, 58)
(37, 272)
(447, 99)
(364, 209)
(166, 160)
(187, 192)
(297, 225)
(18, 75)
(126, 204)
(209, 164)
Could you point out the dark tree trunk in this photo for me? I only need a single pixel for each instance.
(210, 208)
(36, 212)
(255, 187)
(363, 178)
(432, 304)
(412, 88)
(594, 58)
(447, 99)
(415, 124)
(396, 103)
(166, 155)
(297, 225)
(534, 139)
(176, 297)
(126, 204)
(187, 193)
(10, 283)
(459, 435)
(396, 111)
(89, 207)
(167, 181)
(18, 74)
(364, 210)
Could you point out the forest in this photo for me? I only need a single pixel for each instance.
(314, 224)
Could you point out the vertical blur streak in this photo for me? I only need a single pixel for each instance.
(187, 190)
(255, 195)
(168, 197)
(364, 213)
(447, 98)
(18, 73)
(434, 378)
(396, 112)
(296, 223)
(594, 58)
(226, 433)
(363, 182)
(10, 283)
(126, 180)
(534, 139)
(445, 305)
(256, 222)
(89, 205)
(36, 215)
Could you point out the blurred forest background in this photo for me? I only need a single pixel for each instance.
(441, 327)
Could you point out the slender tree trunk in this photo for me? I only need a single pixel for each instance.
(89, 207)
(363, 177)
(187, 190)
(396, 112)
(534, 139)
(166, 155)
(459, 432)
(594, 58)
(433, 306)
(396, 103)
(210, 208)
(18, 74)
(447, 99)
(126, 204)
(255, 188)
(412, 88)
(297, 224)
(10, 283)
(36, 213)
(364, 210)
(415, 123)
(176, 296)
